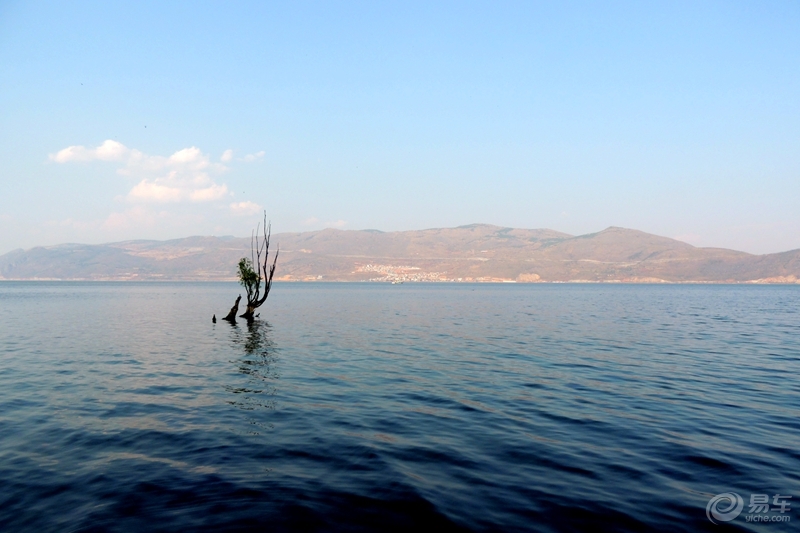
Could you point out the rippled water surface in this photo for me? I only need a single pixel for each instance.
(379, 407)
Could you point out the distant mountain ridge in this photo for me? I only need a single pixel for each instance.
(477, 252)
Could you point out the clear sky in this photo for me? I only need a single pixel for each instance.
(167, 119)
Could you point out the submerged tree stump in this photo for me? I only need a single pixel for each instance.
(235, 309)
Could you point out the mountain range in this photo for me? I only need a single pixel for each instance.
(473, 253)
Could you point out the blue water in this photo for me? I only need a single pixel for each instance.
(373, 407)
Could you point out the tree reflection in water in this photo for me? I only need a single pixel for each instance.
(255, 359)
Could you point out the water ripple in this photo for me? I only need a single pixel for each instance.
(374, 407)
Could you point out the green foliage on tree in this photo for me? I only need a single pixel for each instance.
(248, 277)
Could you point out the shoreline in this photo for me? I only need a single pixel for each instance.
(415, 282)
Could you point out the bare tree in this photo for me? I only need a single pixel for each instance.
(256, 269)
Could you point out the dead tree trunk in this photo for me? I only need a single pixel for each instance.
(259, 253)
(235, 309)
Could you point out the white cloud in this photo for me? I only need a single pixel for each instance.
(227, 155)
(182, 177)
(245, 208)
(310, 221)
(150, 191)
(336, 224)
(108, 151)
(214, 192)
(249, 158)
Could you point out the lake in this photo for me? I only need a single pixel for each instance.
(377, 407)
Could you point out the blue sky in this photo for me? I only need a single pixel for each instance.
(168, 119)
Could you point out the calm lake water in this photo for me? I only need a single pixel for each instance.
(350, 407)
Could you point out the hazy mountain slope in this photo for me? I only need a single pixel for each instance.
(197, 258)
(477, 252)
(444, 242)
(619, 253)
